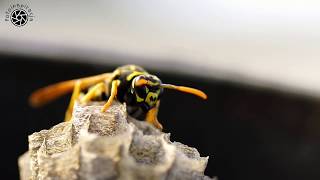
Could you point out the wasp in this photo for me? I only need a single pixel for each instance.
(129, 84)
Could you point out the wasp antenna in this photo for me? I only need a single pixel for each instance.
(189, 90)
(141, 82)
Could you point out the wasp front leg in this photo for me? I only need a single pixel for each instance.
(98, 89)
(114, 91)
(95, 91)
(152, 116)
(74, 97)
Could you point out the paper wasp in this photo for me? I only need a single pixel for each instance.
(129, 84)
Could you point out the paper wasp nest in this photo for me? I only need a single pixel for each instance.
(109, 146)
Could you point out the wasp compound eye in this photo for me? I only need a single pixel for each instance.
(142, 91)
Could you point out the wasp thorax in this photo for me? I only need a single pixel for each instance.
(147, 89)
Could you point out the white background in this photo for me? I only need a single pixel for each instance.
(272, 43)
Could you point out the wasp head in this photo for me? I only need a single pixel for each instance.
(147, 89)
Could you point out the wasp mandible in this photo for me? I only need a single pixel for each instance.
(129, 84)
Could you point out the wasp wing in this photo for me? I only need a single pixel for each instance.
(49, 93)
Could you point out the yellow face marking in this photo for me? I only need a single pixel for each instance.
(133, 74)
(152, 98)
(139, 99)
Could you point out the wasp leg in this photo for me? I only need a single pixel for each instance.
(114, 90)
(96, 90)
(74, 97)
(151, 116)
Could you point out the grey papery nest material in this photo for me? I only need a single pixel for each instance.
(108, 145)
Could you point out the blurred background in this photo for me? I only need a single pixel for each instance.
(258, 61)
